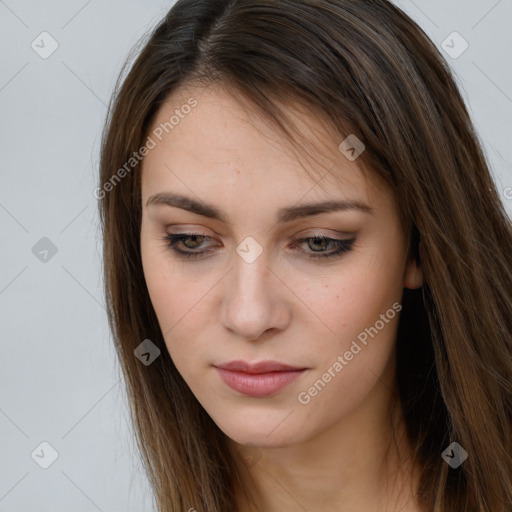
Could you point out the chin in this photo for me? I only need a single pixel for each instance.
(264, 434)
(261, 440)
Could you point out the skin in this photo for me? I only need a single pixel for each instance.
(335, 453)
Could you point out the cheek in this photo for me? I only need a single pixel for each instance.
(168, 293)
(180, 299)
(363, 311)
(352, 300)
(178, 304)
(170, 288)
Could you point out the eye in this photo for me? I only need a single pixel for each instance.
(188, 245)
(318, 244)
(191, 242)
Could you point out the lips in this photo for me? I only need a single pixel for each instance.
(258, 367)
(261, 379)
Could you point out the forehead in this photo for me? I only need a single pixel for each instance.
(222, 149)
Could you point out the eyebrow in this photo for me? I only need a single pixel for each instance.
(284, 214)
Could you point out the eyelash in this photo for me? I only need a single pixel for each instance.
(342, 246)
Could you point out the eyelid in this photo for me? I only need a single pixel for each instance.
(328, 233)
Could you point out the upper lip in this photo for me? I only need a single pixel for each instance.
(258, 367)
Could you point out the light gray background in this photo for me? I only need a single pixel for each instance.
(59, 380)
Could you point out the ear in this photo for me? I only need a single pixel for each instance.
(413, 275)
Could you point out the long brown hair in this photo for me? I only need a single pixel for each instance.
(369, 70)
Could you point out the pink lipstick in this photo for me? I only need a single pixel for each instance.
(259, 379)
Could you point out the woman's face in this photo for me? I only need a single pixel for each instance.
(249, 278)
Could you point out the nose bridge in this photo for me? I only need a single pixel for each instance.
(252, 302)
(251, 262)
(251, 276)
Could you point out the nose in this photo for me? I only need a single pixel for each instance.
(255, 301)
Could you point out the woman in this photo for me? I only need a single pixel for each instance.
(307, 265)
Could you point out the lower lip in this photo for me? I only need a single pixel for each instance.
(258, 384)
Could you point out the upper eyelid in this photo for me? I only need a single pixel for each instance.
(314, 234)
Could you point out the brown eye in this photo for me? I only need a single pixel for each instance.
(196, 241)
(187, 244)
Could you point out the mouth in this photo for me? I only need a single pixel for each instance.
(261, 379)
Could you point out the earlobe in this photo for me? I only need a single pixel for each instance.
(413, 275)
